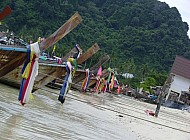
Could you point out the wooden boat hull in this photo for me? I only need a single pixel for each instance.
(11, 57)
(47, 72)
(14, 78)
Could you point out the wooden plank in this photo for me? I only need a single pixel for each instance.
(12, 64)
(89, 53)
(62, 31)
(92, 82)
(79, 78)
(105, 73)
(50, 77)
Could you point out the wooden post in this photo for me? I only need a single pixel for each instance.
(162, 92)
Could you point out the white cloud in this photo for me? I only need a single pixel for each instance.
(183, 8)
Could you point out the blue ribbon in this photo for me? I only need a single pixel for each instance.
(23, 68)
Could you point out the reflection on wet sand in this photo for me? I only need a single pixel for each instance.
(11, 124)
(45, 118)
(86, 116)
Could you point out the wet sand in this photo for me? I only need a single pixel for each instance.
(86, 116)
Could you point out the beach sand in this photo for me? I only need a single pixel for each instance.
(87, 116)
(171, 124)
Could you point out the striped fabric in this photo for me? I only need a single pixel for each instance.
(71, 64)
(29, 73)
(78, 51)
(67, 81)
(86, 81)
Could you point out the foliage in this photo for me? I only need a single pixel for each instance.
(141, 37)
(148, 83)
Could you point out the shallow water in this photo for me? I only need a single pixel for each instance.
(81, 117)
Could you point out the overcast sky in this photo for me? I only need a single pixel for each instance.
(183, 7)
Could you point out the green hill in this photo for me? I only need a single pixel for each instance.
(141, 36)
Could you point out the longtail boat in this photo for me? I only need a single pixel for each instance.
(12, 57)
(80, 74)
(47, 72)
(105, 74)
(93, 69)
(60, 72)
(78, 80)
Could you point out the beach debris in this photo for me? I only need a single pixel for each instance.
(149, 112)
(120, 115)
